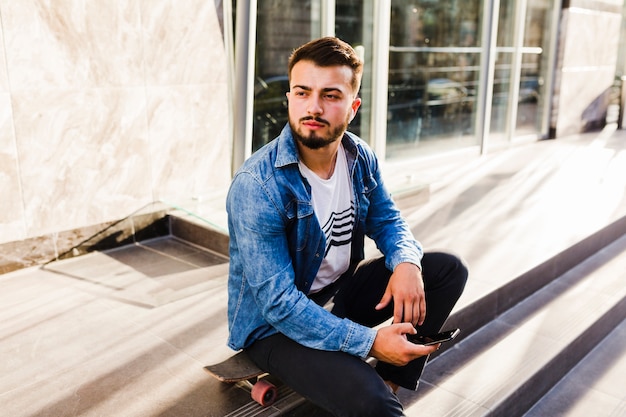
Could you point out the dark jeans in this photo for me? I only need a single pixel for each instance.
(344, 384)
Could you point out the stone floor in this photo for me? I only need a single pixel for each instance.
(127, 333)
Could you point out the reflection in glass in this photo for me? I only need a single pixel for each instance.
(504, 59)
(434, 66)
(435, 58)
(282, 25)
(532, 100)
(353, 26)
(527, 57)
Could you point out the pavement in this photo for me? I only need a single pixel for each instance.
(126, 332)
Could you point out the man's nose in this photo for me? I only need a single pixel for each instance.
(314, 106)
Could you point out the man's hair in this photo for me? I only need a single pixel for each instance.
(328, 52)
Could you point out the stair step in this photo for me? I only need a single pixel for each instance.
(509, 364)
(595, 387)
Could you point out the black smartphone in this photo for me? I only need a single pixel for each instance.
(433, 339)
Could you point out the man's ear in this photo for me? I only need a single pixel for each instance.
(355, 106)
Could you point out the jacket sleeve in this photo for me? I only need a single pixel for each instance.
(258, 225)
(383, 220)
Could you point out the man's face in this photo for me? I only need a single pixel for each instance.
(322, 103)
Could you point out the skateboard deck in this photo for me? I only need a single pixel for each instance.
(240, 369)
(237, 368)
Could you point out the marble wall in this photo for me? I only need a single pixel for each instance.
(588, 45)
(106, 106)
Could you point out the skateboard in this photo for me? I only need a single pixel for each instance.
(239, 369)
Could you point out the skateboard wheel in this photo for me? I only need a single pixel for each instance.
(264, 392)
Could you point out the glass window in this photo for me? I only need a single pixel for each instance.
(282, 25)
(503, 73)
(435, 58)
(354, 24)
(526, 58)
(533, 99)
(434, 66)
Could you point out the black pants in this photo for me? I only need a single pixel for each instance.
(344, 384)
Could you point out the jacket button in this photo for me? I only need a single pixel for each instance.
(317, 255)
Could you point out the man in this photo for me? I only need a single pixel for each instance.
(298, 211)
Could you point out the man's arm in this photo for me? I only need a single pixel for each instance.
(403, 254)
(383, 220)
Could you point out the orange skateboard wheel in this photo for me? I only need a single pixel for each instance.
(264, 392)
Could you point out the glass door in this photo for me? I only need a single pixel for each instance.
(533, 99)
(520, 101)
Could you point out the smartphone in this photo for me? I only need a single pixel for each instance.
(433, 339)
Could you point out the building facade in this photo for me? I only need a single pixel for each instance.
(447, 75)
(108, 107)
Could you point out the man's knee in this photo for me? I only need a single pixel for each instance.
(461, 271)
(451, 268)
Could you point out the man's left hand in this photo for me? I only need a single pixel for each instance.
(406, 289)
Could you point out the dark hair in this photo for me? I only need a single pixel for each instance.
(328, 52)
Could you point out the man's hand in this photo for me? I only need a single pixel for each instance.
(392, 346)
(406, 289)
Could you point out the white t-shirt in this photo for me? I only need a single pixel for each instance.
(334, 208)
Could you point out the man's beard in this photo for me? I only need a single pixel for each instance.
(313, 141)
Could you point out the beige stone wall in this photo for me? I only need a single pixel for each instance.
(106, 106)
(588, 47)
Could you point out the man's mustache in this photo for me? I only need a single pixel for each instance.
(317, 119)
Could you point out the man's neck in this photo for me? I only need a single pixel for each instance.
(320, 161)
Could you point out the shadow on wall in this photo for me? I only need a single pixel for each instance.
(598, 112)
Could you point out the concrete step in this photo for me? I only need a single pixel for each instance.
(595, 387)
(505, 367)
(492, 304)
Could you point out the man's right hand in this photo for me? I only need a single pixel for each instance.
(392, 346)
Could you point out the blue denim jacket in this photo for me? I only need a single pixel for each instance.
(277, 244)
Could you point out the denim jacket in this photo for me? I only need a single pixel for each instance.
(277, 245)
